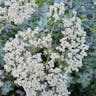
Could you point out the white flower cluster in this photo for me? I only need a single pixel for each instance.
(56, 10)
(17, 10)
(73, 43)
(31, 38)
(30, 71)
(31, 58)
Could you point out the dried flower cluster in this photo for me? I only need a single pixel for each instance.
(39, 68)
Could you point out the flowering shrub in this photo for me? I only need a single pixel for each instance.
(38, 61)
(86, 77)
(46, 46)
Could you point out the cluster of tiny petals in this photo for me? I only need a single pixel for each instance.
(38, 73)
(31, 37)
(17, 10)
(29, 68)
(56, 10)
(73, 42)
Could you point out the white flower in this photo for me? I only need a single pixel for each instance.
(54, 56)
(46, 41)
(39, 67)
(56, 10)
(73, 42)
(18, 10)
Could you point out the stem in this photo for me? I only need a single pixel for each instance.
(51, 45)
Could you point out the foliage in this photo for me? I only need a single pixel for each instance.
(82, 82)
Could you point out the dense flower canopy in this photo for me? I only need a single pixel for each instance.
(17, 10)
(38, 67)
